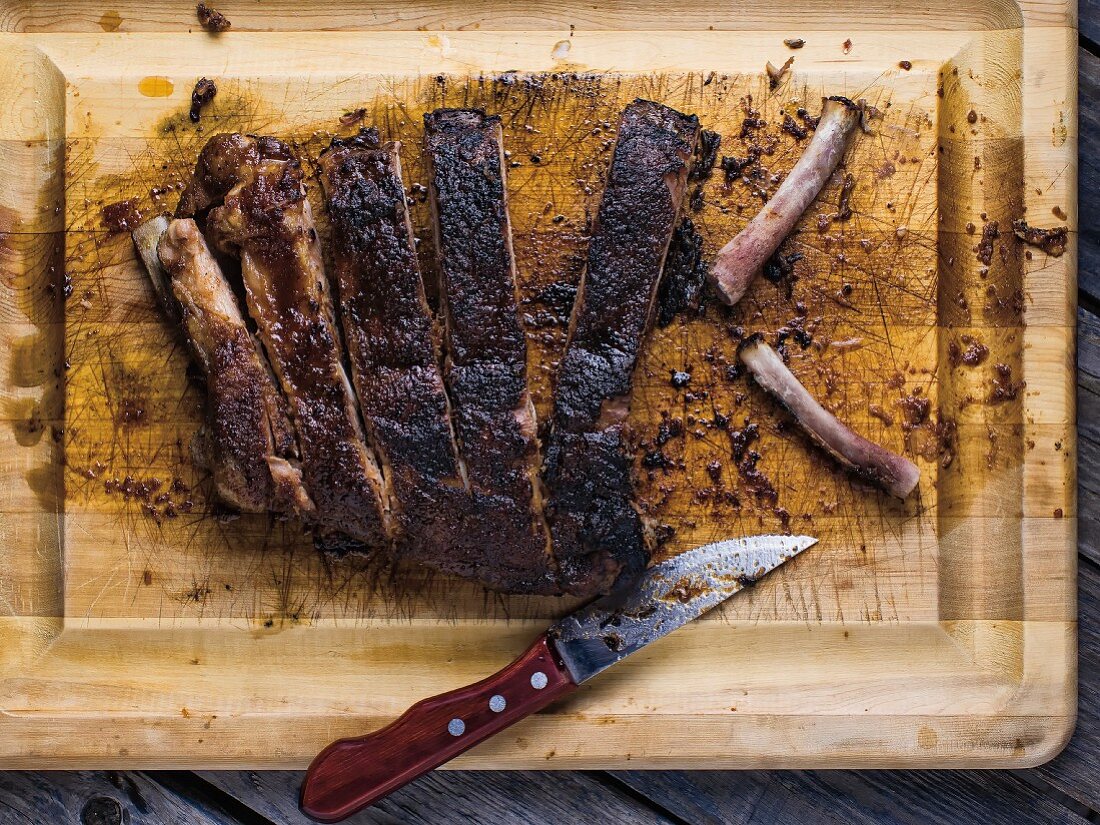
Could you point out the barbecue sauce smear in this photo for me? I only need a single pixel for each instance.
(853, 304)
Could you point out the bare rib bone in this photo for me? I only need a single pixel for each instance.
(894, 473)
(739, 261)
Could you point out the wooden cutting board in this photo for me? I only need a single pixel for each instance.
(139, 626)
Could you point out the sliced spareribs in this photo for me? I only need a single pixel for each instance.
(599, 536)
(485, 345)
(266, 220)
(248, 443)
(393, 350)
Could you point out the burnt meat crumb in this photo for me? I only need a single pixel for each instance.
(657, 460)
(120, 217)
(794, 42)
(733, 167)
(706, 154)
(779, 269)
(1003, 387)
(684, 274)
(742, 439)
(1051, 241)
(757, 483)
(796, 329)
(974, 354)
(806, 117)
(668, 430)
(212, 20)
(990, 232)
(905, 64)
(793, 127)
(680, 379)
(202, 94)
(914, 410)
(697, 202)
(752, 121)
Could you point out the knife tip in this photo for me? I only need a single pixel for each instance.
(803, 543)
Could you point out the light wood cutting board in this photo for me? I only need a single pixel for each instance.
(140, 627)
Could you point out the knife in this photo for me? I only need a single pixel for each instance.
(351, 774)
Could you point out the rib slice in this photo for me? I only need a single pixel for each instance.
(249, 443)
(599, 536)
(266, 220)
(390, 336)
(486, 348)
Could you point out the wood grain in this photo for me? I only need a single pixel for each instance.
(490, 797)
(189, 631)
(858, 798)
(1088, 430)
(283, 15)
(99, 798)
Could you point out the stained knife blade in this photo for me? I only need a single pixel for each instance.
(668, 596)
(351, 774)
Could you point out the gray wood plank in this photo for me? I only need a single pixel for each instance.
(1088, 17)
(856, 797)
(1088, 434)
(1088, 154)
(97, 798)
(446, 797)
(1074, 771)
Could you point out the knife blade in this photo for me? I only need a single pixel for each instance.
(351, 774)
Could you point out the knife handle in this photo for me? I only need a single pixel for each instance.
(351, 774)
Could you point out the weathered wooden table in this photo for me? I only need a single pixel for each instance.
(1064, 790)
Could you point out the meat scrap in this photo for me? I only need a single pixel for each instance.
(893, 473)
(706, 154)
(248, 444)
(202, 94)
(212, 20)
(775, 74)
(265, 220)
(739, 261)
(684, 274)
(485, 347)
(1051, 241)
(599, 537)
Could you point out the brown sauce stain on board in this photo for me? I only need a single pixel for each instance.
(30, 270)
(852, 280)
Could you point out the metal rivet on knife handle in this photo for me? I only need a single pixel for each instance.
(497, 703)
(538, 680)
(456, 727)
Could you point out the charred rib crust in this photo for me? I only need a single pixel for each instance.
(389, 333)
(595, 525)
(248, 440)
(267, 220)
(487, 348)
(486, 345)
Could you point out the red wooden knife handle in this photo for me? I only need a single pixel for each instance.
(351, 774)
